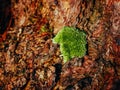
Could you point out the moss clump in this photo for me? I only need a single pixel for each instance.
(72, 43)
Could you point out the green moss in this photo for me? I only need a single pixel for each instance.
(72, 43)
(43, 28)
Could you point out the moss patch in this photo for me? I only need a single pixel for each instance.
(72, 42)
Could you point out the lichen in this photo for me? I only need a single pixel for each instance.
(72, 43)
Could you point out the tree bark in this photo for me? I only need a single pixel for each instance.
(30, 61)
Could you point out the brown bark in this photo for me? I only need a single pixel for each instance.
(30, 61)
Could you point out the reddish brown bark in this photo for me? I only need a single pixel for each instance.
(30, 61)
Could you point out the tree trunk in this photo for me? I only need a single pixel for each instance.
(29, 60)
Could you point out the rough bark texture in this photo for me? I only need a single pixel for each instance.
(30, 61)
